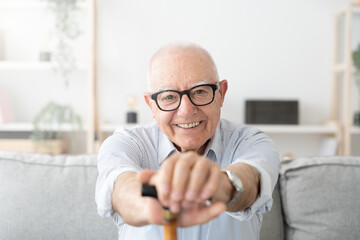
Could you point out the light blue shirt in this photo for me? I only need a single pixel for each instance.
(147, 147)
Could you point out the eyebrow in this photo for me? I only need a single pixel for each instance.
(191, 86)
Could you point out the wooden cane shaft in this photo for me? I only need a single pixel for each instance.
(170, 232)
(170, 225)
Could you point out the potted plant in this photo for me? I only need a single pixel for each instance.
(49, 126)
(67, 30)
(356, 61)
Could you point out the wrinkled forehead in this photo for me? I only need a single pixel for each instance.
(181, 68)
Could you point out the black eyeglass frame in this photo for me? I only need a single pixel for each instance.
(214, 87)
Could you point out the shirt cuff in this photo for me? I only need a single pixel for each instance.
(104, 192)
(263, 202)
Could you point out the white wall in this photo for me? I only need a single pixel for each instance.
(280, 49)
(266, 49)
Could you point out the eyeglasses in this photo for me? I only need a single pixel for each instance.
(170, 100)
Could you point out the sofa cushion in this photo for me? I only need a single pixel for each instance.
(320, 198)
(273, 226)
(50, 197)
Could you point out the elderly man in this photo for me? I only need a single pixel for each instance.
(190, 155)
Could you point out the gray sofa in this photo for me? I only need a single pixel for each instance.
(315, 198)
(44, 197)
(52, 197)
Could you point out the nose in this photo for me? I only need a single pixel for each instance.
(186, 107)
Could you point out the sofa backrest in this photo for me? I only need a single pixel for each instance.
(320, 198)
(50, 197)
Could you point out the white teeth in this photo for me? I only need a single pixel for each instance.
(188, 125)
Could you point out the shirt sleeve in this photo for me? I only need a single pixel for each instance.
(259, 151)
(118, 154)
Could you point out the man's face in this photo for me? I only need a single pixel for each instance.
(189, 127)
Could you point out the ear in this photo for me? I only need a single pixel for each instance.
(149, 103)
(223, 90)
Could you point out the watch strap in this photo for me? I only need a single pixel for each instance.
(236, 183)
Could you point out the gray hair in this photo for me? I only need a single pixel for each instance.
(176, 46)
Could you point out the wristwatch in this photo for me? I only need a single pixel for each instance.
(237, 184)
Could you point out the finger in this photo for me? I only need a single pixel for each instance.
(213, 183)
(200, 215)
(165, 178)
(180, 179)
(198, 178)
(154, 212)
(186, 204)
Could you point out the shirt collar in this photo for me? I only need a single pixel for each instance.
(165, 147)
(212, 151)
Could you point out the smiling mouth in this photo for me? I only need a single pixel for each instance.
(188, 125)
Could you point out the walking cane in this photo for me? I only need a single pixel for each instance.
(170, 217)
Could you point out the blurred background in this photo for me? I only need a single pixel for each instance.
(72, 71)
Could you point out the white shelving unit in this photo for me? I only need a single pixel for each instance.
(11, 15)
(297, 129)
(343, 71)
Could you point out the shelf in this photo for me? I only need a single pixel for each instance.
(271, 129)
(34, 4)
(14, 65)
(343, 10)
(111, 127)
(28, 127)
(296, 129)
(339, 67)
(16, 127)
(22, 4)
(355, 130)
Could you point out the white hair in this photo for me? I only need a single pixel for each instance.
(176, 46)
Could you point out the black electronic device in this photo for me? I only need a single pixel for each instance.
(271, 112)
